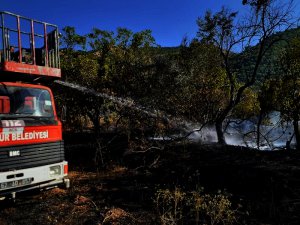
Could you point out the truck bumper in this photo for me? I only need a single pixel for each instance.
(41, 177)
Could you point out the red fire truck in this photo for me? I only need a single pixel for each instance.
(31, 145)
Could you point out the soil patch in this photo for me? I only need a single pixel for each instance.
(266, 184)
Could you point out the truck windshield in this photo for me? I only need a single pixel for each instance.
(25, 102)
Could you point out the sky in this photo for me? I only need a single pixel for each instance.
(169, 20)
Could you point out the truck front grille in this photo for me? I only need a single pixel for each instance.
(26, 156)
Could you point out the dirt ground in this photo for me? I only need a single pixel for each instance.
(265, 184)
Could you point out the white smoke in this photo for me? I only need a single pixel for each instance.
(274, 134)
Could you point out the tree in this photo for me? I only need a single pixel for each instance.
(71, 42)
(80, 67)
(290, 87)
(267, 98)
(118, 64)
(201, 85)
(70, 39)
(124, 60)
(224, 31)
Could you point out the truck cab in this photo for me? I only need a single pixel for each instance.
(31, 144)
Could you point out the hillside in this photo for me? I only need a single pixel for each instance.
(270, 65)
(243, 63)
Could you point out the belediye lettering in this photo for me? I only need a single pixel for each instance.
(23, 136)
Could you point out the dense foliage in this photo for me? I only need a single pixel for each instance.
(229, 70)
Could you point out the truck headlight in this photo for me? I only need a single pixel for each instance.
(55, 170)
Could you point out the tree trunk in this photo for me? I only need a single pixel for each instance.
(94, 117)
(220, 133)
(297, 133)
(260, 118)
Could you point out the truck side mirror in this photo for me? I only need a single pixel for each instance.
(63, 115)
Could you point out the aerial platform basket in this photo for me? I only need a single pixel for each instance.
(29, 49)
